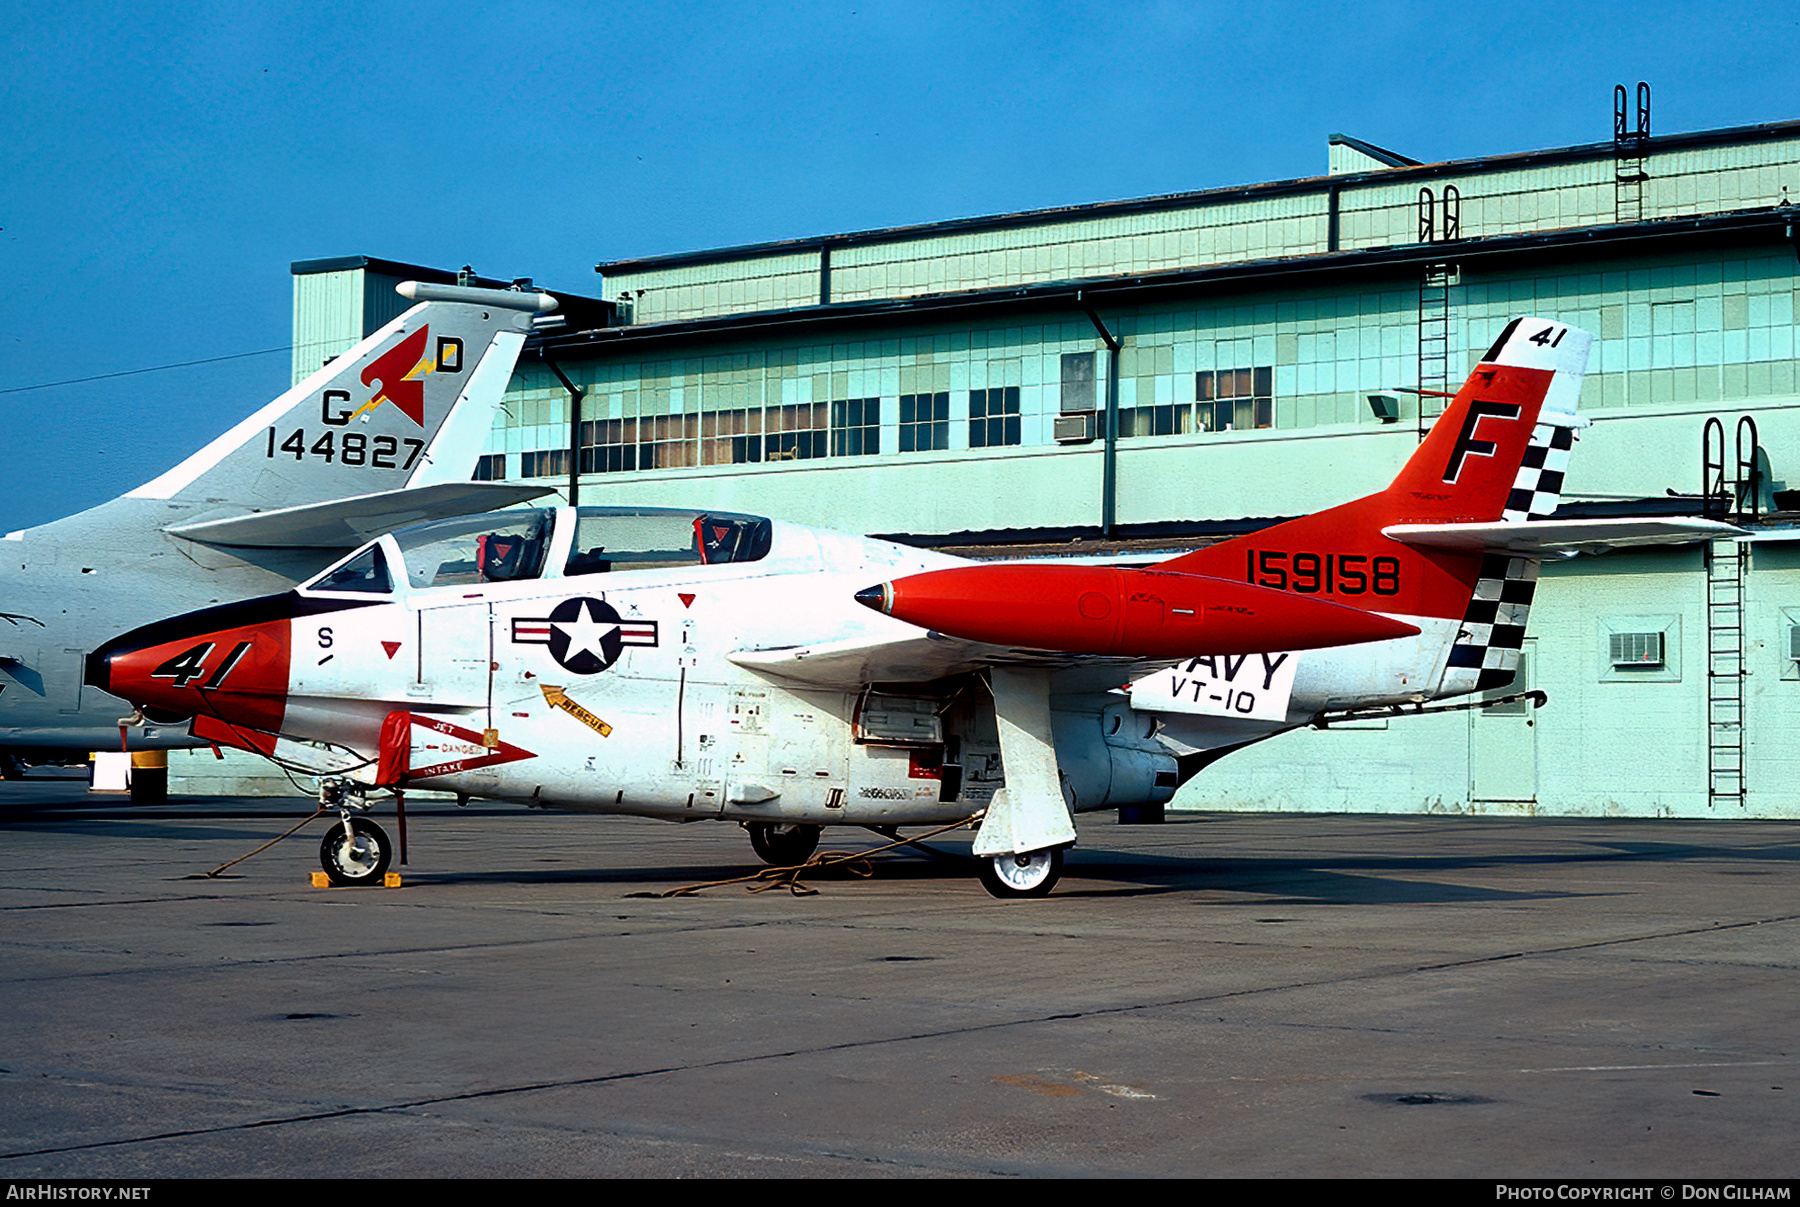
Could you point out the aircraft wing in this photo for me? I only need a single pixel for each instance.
(347, 523)
(853, 663)
(1537, 538)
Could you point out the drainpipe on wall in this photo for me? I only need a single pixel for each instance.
(576, 394)
(1109, 477)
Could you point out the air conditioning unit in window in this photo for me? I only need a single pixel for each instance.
(1637, 649)
(1794, 643)
(1075, 429)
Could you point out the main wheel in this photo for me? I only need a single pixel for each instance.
(1030, 874)
(783, 845)
(359, 857)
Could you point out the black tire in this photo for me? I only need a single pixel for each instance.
(1029, 874)
(361, 860)
(783, 844)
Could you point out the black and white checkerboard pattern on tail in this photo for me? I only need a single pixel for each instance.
(1538, 488)
(1486, 652)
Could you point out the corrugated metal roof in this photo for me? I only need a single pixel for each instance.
(1422, 172)
(1762, 225)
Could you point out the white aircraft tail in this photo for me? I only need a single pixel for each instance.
(408, 407)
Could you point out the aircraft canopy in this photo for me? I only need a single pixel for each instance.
(545, 542)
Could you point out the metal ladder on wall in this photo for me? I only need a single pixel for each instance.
(1628, 155)
(1434, 303)
(1725, 565)
(1724, 674)
(1434, 342)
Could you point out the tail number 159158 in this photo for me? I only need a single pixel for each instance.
(1323, 573)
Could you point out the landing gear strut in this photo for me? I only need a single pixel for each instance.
(1028, 874)
(355, 851)
(783, 845)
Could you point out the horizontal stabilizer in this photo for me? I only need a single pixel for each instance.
(348, 523)
(1540, 538)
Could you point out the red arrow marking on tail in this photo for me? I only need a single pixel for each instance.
(392, 368)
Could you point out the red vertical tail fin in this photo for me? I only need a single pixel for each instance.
(1497, 453)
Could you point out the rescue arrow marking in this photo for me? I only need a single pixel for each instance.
(553, 696)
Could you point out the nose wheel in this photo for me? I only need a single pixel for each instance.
(359, 854)
(1027, 874)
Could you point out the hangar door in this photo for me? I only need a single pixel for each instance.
(1503, 741)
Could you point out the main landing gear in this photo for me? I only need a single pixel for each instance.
(355, 851)
(781, 844)
(1027, 874)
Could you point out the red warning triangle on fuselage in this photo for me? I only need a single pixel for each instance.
(392, 648)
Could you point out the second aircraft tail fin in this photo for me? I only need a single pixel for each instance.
(409, 406)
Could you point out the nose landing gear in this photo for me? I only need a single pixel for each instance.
(355, 851)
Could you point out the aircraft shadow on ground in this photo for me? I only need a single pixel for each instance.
(1379, 878)
(1383, 876)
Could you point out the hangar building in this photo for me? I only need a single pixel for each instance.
(1146, 373)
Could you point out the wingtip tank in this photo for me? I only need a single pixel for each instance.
(1121, 612)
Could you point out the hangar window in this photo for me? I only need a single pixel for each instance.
(994, 417)
(1235, 400)
(856, 427)
(605, 448)
(652, 442)
(668, 441)
(924, 422)
(1077, 382)
(730, 437)
(491, 468)
(1170, 420)
(547, 463)
(794, 433)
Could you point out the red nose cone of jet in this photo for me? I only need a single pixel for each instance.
(1118, 611)
(230, 663)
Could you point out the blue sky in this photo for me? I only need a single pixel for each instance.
(163, 164)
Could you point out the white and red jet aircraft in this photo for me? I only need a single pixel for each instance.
(685, 664)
